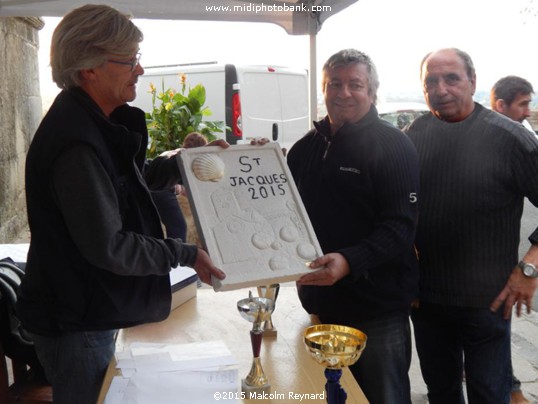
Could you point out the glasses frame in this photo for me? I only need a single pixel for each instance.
(133, 62)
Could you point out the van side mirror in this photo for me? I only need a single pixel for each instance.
(275, 132)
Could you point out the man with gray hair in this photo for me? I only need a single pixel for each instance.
(358, 178)
(476, 167)
(98, 260)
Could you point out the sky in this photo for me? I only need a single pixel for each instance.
(396, 34)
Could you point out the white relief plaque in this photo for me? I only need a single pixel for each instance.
(249, 214)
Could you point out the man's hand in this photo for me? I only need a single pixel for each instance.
(519, 290)
(259, 141)
(336, 267)
(205, 269)
(219, 142)
(169, 153)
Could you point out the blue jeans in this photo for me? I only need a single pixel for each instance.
(382, 371)
(445, 335)
(75, 363)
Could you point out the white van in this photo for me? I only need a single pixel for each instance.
(254, 101)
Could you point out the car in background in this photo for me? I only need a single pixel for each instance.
(401, 114)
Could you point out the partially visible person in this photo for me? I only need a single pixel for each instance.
(476, 167)
(511, 96)
(172, 216)
(194, 139)
(358, 178)
(166, 201)
(97, 260)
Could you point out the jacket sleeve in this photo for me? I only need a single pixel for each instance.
(162, 173)
(88, 202)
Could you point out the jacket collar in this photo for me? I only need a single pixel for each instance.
(324, 126)
(125, 128)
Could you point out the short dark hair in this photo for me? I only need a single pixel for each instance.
(347, 57)
(508, 88)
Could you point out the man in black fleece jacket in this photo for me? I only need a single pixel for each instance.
(476, 167)
(358, 178)
(97, 259)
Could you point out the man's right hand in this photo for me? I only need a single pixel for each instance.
(205, 268)
(219, 142)
(335, 267)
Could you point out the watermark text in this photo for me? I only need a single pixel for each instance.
(268, 8)
(287, 397)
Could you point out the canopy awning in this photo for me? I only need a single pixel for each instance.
(296, 17)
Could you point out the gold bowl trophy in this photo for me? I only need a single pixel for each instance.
(256, 310)
(334, 347)
(269, 292)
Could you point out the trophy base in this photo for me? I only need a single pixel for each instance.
(247, 388)
(270, 333)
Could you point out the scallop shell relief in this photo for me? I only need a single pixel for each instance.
(208, 167)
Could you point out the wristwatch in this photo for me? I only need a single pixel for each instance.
(529, 270)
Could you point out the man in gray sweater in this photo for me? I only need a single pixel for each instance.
(476, 168)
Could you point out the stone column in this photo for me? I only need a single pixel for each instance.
(20, 114)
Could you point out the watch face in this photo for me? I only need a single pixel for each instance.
(527, 270)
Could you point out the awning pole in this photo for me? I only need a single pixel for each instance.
(313, 80)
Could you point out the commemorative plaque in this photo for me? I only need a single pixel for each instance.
(249, 214)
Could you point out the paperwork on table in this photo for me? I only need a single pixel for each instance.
(175, 374)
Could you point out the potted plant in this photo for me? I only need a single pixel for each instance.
(175, 114)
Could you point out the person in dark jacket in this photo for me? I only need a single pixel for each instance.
(512, 96)
(97, 260)
(358, 178)
(166, 201)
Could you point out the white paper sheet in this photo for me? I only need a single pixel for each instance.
(179, 274)
(17, 252)
(174, 374)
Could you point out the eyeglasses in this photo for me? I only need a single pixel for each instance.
(131, 62)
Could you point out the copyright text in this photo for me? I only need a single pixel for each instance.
(241, 395)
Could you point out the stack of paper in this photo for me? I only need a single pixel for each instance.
(174, 374)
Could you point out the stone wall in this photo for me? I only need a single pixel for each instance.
(20, 114)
